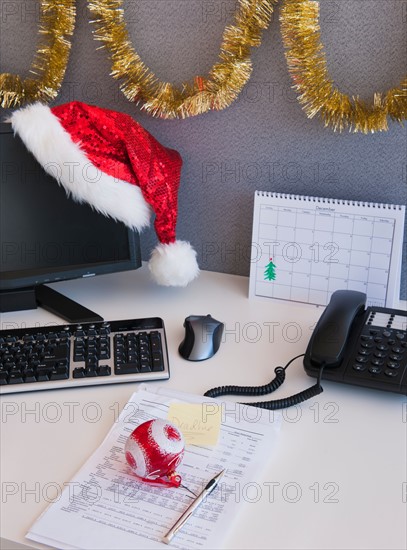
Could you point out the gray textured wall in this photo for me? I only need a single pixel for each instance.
(264, 140)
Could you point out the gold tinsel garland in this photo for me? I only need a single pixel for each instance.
(56, 26)
(226, 78)
(308, 67)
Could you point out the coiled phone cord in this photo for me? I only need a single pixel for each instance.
(276, 404)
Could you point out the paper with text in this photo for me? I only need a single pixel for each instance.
(106, 507)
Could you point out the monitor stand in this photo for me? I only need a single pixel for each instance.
(49, 299)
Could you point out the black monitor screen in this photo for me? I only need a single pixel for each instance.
(45, 235)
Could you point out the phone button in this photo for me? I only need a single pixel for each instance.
(359, 367)
(390, 372)
(375, 370)
(377, 362)
(361, 359)
(382, 347)
(367, 345)
(380, 354)
(394, 357)
(393, 365)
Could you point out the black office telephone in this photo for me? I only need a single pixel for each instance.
(365, 347)
(350, 344)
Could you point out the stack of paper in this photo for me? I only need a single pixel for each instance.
(106, 507)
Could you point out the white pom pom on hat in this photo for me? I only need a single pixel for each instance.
(106, 159)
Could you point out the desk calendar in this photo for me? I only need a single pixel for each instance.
(304, 248)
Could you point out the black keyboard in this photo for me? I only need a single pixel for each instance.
(87, 354)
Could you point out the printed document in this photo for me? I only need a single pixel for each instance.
(105, 506)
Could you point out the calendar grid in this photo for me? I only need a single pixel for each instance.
(323, 247)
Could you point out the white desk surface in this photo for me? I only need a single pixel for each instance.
(336, 479)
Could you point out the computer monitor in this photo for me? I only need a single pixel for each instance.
(46, 237)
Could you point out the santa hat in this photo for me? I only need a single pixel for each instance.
(108, 160)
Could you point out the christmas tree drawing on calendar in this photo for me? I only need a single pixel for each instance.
(270, 271)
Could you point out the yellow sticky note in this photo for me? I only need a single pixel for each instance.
(198, 423)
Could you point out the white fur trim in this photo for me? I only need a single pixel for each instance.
(45, 137)
(173, 264)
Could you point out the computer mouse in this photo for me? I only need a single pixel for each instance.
(203, 335)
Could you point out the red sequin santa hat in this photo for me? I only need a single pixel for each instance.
(108, 160)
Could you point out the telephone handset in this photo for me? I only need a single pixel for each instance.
(350, 344)
(327, 345)
(365, 347)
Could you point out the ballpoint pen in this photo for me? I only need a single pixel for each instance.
(210, 486)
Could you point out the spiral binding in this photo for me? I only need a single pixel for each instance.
(326, 200)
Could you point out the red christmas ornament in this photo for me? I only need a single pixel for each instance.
(154, 450)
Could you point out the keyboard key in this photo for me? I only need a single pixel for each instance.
(127, 368)
(90, 371)
(104, 370)
(56, 375)
(104, 330)
(145, 368)
(157, 362)
(15, 379)
(78, 373)
(104, 354)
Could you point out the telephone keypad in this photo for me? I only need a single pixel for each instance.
(374, 354)
(380, 355)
